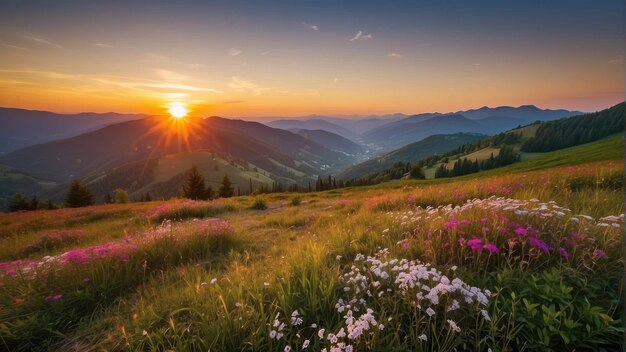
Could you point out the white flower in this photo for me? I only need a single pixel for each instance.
(272, 334)
(423, 337)
(266, 284)
(306, 344)
(314, 325)
(381, 326)
(213, 281)
(485, 315)
(287, 348)
(454, 326)
(320, 333)
(338, 257)
(430, 312)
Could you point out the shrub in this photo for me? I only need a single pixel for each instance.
(259, 204)
(295, 201)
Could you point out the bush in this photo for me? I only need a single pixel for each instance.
(295, 201)
(259, 204)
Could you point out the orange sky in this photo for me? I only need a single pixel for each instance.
(295, 61)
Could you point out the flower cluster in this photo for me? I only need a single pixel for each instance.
(120, 250)
(493, 224)
(374, 281)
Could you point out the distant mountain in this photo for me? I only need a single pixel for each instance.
(331, 141)
(22, 128)
(400, 135)
(484, 120)
(436, 144)
(314, 124)
(525, 112)
(279, 152)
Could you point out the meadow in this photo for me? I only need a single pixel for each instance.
(496, 261)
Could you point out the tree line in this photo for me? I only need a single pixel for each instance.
(568, 132)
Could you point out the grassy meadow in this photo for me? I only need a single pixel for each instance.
(506, 260)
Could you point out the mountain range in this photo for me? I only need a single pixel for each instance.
(22, 128)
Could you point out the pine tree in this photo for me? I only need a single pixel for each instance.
(147, 197)
(50, 205)
(195, 188)
(34, 203)
(18, 202)
(416, 173)
(226, 190)
(107, 199)
(78, 196)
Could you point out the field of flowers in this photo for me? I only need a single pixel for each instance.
(528, 261)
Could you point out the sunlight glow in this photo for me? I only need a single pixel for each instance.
(178, 110)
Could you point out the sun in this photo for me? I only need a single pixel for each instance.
(178, 110)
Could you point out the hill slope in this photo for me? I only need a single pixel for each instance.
(22, 128)
(331, 141)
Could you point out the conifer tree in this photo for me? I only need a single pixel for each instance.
(78, 196)
(195, 188)
(226, 190)
(18, 202)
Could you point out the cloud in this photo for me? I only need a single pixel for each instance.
(311, 26)
(395, 55)
(14, 47)
(102, 45)
(170, 75)
(241, 85)
(476, 64)
(158, 59)
(234, 52)
(43, 41)
(614, 61)
(360, 35)
(95, 80)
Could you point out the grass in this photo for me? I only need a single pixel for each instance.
(182, 290)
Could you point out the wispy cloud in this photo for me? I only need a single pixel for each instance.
(614, 61)
(234, 52)
(360, 35)
(96, 80)
(310, 26)
(476, 64)
(14, 47)
(170, 75)
(102, 45)
(395, 55)
(158, 59)
(43, 41)
(241, 85)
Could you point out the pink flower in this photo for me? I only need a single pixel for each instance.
(54, 298)
(461, 241)
(475, 244)
(563, 252)
(598, 253)
(539, 244)
(521, 231)
(451, 223)
(483, 220)
(491, 248)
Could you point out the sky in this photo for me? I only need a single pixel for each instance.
(294, 58)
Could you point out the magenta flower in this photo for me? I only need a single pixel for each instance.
(465, 222)
(451, 223)
(77, 256)
(539, 244)
(475, 244)
(563, 252)
(598, 253)
(483, 220)
(520, 231)
(54, 298)
(461, 241)
(491, 248)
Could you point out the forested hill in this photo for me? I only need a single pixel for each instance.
(568, 132)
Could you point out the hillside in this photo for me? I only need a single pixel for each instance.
(280, 152)
(314, 124)
(331, 141)
(295, 263)
(22, 128)
(437, 144)
(484, 120)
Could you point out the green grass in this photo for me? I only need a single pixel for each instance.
(291, 256)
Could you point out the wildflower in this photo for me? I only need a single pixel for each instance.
(213, 281)
(598, 253)
(521, 231)
(381, 326)
(485, 315)
(272, 334)
(453, 325)
(287, 348)
(539, 244)
(305, 344)
(320, 333)
(475, 244)
(491, 248)
(266, 284)
(423, 337)
(430, 312)
(563, 252)
(338, 257)
(483, 220)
